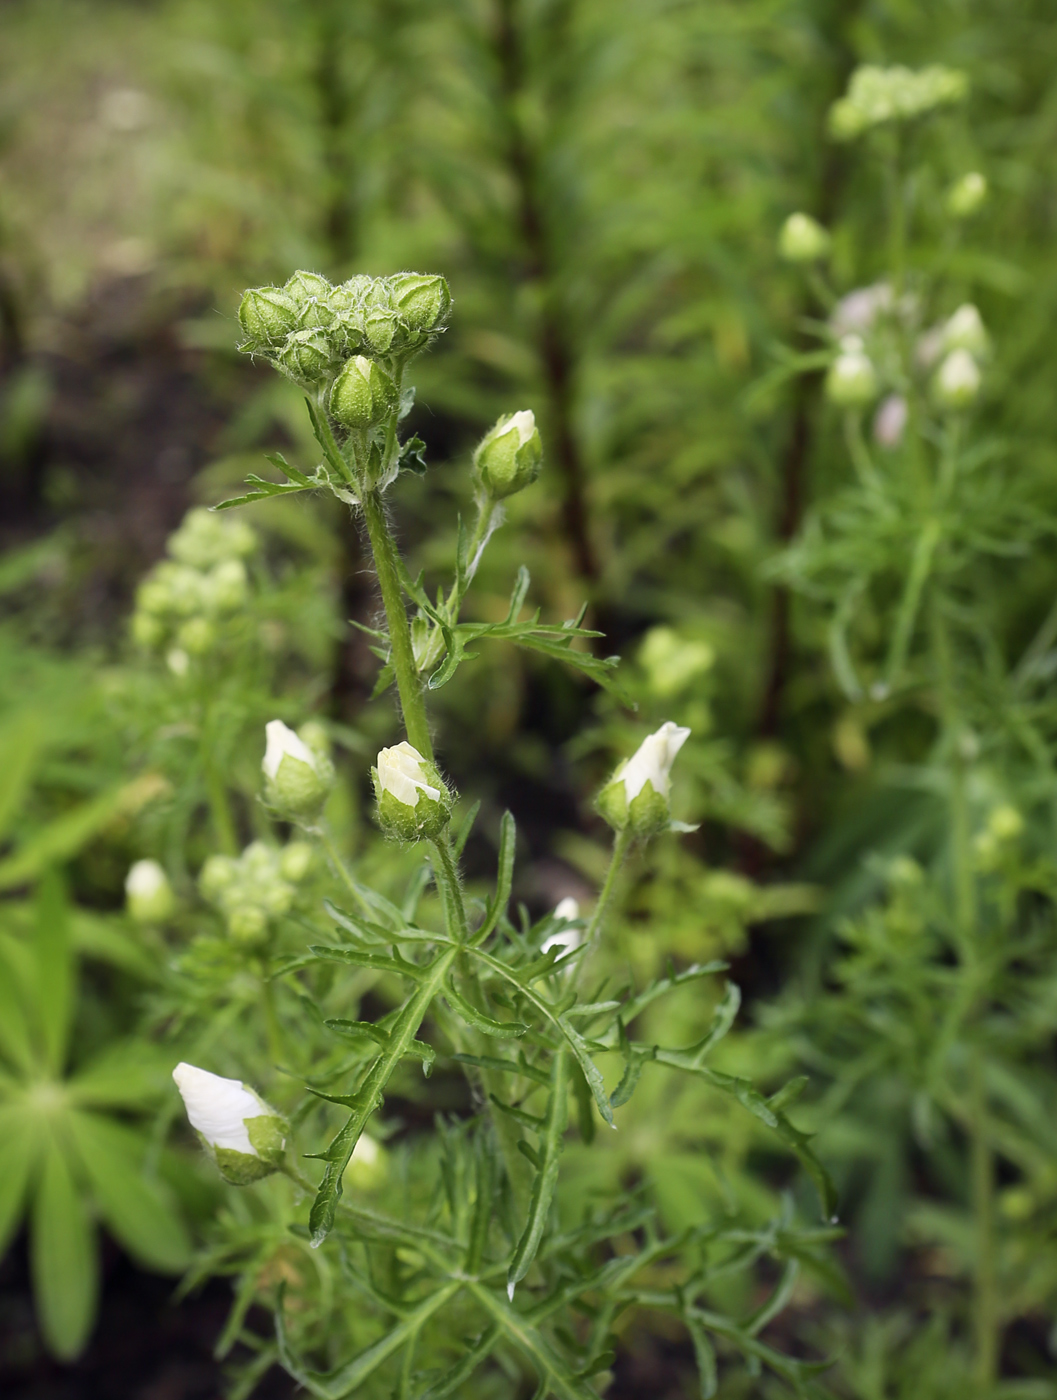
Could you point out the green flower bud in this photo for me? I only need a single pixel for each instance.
(966, 195)
(227, 586)
(379, 331)
(295, 860)
(414, 803)
(310, 294)
(297, 780)
(509, 457)
(147, 630)
(196, 636)
(217, 875)
(422, 300)
(852, 379)
(206, 538)
(267, 315)
(306, 358)
(637, 795)
(244, 1135)
(802, 239)
(363, 394)
(957, 381)
(148, 894)
(247, 924)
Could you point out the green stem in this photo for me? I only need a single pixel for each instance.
(220, 811)
(412, 701)
(621, 847)
(986, 1324)
(447, 878)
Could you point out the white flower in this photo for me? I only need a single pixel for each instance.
(401, 772)
(652, 761)
(567, 911)
(219, 1108)
(282, 742)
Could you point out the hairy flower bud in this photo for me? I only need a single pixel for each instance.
(510, 456)
(957, 381)
(852, 379)
(309, 294)
(306, 358)
(803, 239)
(414, 803)
(267, 315)
(966, 195)
(637, 795)
(297, 778)
(363, 394)
(148, 894)
(422, 301)
(244, 1135)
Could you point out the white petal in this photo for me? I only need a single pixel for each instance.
(218, 1107)
(652, 761)
(281, 743)
(400, 772)
(144, 879)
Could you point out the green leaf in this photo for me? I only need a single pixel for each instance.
(485, 1024)
(296, 481)
(504, 878)
(461, 1372)
(15, 1044)
(127, 1074)
(21, 742)
(137, 1210)
(51, 945)
(377, 961)
(343, 1380)
(67, 834)
(551, 1142)
(19, 1148)
(64, 1260)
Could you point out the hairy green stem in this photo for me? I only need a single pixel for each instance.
(621, 847)
(326, 840)
(447, 877)
(408, 684)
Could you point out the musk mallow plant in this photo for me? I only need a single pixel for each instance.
(444, 1262)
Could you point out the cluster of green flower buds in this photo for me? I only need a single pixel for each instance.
(243, 1135)
(298, 773)
(638, 795)
(877, 96)
(257, 888)
(185, 601)
(414, 802)
(308, 328)
(509, 456)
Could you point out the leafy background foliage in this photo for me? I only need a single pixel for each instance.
(602, 184)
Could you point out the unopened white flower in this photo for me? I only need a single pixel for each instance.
(413, 799)
(368, 1166)
(509, 457)
(243, 1134)
(297, 777)
(852, 379)
(566, 911)
(965, 331)
(637, 794)
(957, 380)
(148, 893)
(890, 421)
